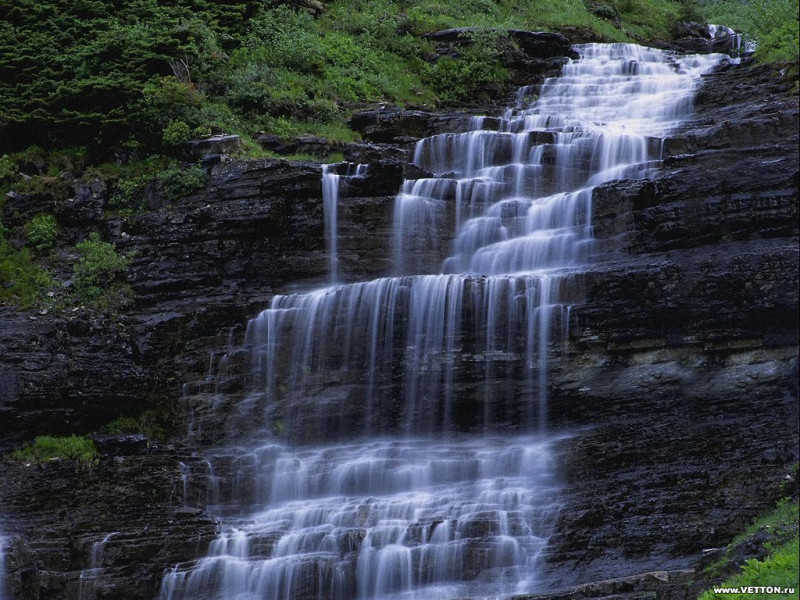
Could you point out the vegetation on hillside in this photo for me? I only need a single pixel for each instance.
(104, 74)
(110, 90)
(779, 569)
(771, 24)
(46, 448)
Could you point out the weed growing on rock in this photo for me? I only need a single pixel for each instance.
(100, 274)
(42, 232)
(176, 183)
(46, 448)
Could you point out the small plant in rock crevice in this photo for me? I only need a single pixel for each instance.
(46, 448)
(99, 274)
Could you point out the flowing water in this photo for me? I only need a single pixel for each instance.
(335, 183)
(3, 549)
(420, 466)
(89, 577)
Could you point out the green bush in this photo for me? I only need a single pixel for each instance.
(22, 282)
(46, 448)
(772, 24)
(42, 232)
(122, 425)
(129, 194)
(8, 169)
(476, 72)
(176, 133)
(176, 183)
(99, 274)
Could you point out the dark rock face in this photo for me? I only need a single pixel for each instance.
(685, 347)
(218, 144)
(63, 512)
(536, 44)
(399, 126)
(677, 390)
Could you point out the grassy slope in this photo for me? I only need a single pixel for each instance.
(104, 73)
(92, 80)
(778, 569)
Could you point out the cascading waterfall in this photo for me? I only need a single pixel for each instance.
(332, 184)
(426, 372)
(88, 580)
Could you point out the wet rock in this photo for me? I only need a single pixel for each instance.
(121, 444)
(85, 208)
(217, 144)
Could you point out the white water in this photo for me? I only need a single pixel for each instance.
(448, 355)
(3, 549)
(738, 48)
(334, 184)
(89, 577)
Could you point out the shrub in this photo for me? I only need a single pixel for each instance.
(176, 183)
(176, 133)
(129, 194)
(42, 232)
(8, 169)
(122, 425)
(21, 281)
(46, 448)
(475, 72)
(99, 274)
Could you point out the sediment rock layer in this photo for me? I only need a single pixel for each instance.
(677, 385)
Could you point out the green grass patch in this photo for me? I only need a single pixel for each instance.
(778, 569)
(46, 448)
(772, 24)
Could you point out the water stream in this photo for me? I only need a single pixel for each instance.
(334, 184)
(87, 589)
(3, 549)
(419, 465)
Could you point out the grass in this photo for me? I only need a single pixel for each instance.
(772, 24)
(778, 569)
(46, 448)
(22, 282)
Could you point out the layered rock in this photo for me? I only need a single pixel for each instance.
(681, 356)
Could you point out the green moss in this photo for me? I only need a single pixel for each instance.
(46, 448)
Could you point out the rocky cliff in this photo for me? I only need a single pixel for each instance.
(676, 390)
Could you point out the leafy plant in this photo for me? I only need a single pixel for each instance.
(99, 274)
(475, 72)
(22, 282)
(42, 232)
(175, 183)
(176, 133)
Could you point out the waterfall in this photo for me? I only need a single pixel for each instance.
(4, 543)
(333, 183)
(88, 579)
(419, 465)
